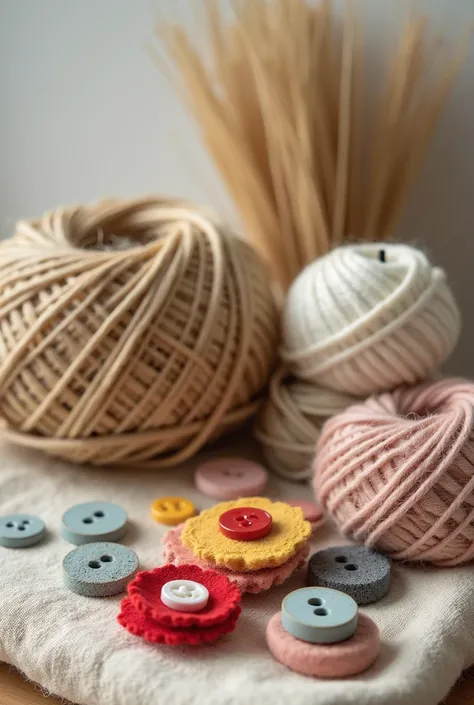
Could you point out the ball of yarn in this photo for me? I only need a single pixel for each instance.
(137, 355)
(397, 472)
(290, 422)
(366, 318)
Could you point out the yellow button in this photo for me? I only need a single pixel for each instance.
(172, 510)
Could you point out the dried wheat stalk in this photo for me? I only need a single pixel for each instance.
(278, 91)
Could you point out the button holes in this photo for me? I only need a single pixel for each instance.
(315, 601)
(99, 514)
(251, 516)
(94, 564)
(351, 566)
(245, 523)
(9, 525)
(341, 559)
(321, 612)
(21, 528)
(106, 559)
(87, 520)
(26, 522)
(240, 518)
(183, 591)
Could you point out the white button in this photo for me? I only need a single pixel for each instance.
(184, 595)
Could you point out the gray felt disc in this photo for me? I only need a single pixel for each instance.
(99, 569)
(356, 570)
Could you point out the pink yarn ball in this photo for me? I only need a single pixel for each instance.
(397, 472)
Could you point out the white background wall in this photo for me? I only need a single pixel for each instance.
(84, 113)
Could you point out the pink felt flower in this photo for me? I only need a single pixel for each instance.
(176, 552)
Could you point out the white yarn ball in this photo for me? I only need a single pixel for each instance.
(355, 323)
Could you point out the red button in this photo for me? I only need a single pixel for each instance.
(245, 523)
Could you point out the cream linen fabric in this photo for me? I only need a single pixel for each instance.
(73, 646)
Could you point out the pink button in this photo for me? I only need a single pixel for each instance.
(245, 523)
(311, 511)
(230, 478)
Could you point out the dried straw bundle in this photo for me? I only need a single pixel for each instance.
(310, 156)
(280, 95)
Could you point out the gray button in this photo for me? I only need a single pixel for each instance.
(21, 530)
(99, 569)
(94, 521)
(356, 570)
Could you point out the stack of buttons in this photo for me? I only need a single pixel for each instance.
(320, 632)
(254, 542)
(180, 605)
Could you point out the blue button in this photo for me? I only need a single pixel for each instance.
(94, 521)
(99, 569)
(21, 530)
(319, 615)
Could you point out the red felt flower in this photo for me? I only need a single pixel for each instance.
(145, 594)
(138, 623)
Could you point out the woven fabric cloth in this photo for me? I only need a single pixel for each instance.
(74, 647)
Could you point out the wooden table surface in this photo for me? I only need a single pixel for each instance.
(15, 691)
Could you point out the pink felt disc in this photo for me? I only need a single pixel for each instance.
(174, 551)
(346, 658)
(230, 478)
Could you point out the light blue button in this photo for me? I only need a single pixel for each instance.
(94, 521)
(319, 615)
(21, 530)
(99, 569)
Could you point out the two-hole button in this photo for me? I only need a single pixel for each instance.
(94, 521)
(358, 571)
(99, 569)
(319, 615)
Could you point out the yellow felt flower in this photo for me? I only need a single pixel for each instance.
(201, 534)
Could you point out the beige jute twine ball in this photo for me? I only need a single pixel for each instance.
(131, 332)
(290, 422)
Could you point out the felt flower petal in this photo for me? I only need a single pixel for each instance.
(174, 551)
(140, 625)
(289, 531)
(145, 594)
